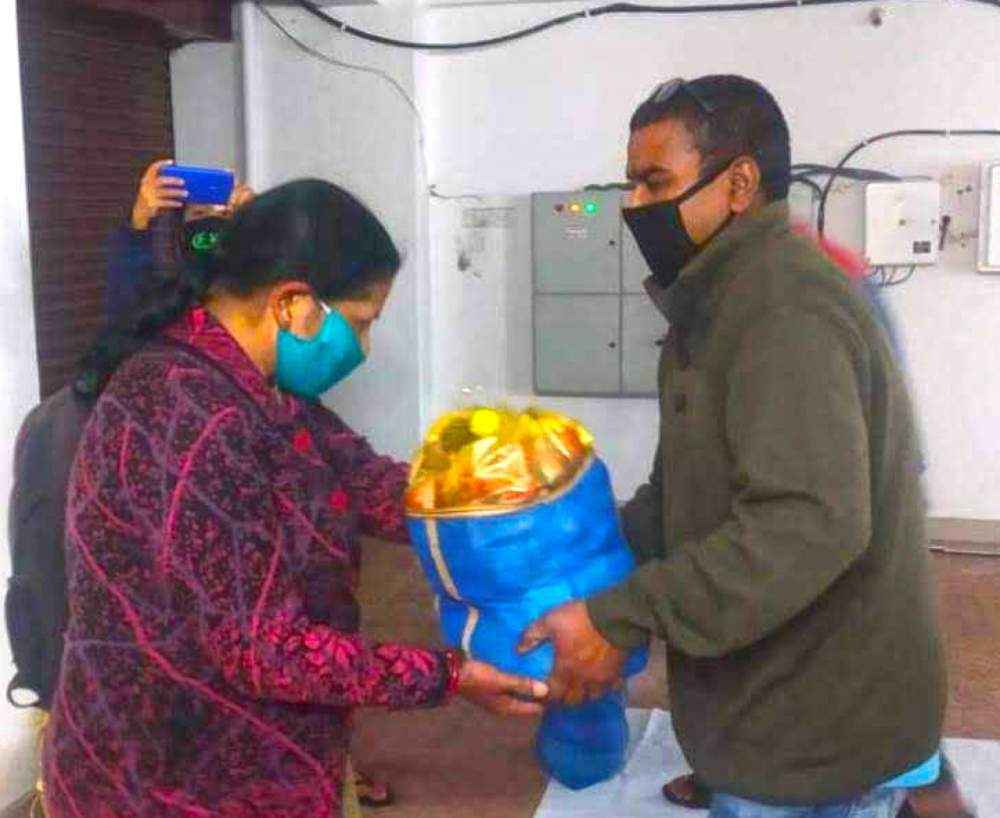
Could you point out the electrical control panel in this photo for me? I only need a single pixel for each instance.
(575, 242)
(902, 223)
(596, 333)
(989, 220)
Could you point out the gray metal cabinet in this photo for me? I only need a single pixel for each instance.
(577, 344)
(595, 330)
(644, 329)
(575, 242)
(635, 271)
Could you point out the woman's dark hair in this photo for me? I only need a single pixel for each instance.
(308, 230)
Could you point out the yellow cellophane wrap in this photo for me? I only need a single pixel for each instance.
(489, 458)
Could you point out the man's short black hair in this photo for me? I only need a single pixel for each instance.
(729, 116)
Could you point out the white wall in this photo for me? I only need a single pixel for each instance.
(314, 119)
(551, 112)
(205, 81)
(18, 373)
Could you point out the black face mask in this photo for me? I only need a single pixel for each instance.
(201, 235)
(661, 235)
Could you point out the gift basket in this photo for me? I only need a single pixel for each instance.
(512, 514)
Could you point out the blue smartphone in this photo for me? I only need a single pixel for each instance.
(210, 186)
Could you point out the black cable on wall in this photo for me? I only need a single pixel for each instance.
(585, 14)
(841, 169)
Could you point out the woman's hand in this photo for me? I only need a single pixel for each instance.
(241, 196)
(500, 692)
(156, 194)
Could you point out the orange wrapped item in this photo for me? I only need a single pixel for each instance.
(492, 458)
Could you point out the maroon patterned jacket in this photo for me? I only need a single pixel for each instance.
(213, 659)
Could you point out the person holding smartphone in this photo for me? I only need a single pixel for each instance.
(132, 263)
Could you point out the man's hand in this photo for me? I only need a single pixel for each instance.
(156, 194)
(587, 666)
(494, 690)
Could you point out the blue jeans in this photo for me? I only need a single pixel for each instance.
(877, 804)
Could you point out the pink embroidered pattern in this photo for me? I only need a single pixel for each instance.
(213, 657)
(302, 441)
(339, 501)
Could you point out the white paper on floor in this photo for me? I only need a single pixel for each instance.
(654, 758)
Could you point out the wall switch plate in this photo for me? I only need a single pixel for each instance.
(481, 218)
(902, 223)
(989, 220)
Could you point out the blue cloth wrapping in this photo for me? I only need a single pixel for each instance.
(496, 573)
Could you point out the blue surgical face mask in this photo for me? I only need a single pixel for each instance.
(308, 367)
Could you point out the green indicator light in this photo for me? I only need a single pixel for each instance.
(591, 208)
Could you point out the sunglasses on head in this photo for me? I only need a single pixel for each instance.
(666, 91)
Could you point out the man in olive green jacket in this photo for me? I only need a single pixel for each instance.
(781, 537)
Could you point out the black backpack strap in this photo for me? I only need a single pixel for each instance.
(36, 604)
(18, 684)
(26, 644)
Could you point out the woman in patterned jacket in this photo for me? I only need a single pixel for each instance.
(213, 660)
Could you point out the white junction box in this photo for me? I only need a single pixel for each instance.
(902, 223)
(989, 220)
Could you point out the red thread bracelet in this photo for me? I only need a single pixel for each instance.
(455, 661)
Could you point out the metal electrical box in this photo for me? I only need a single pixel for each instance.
(595, 330)
(989, 220)
(902, 223)
(575, 242)
(644, 330)
(577, 340)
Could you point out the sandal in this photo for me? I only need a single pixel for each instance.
(371, 793)
(907, 811)
(688, 792)
(940, 800)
